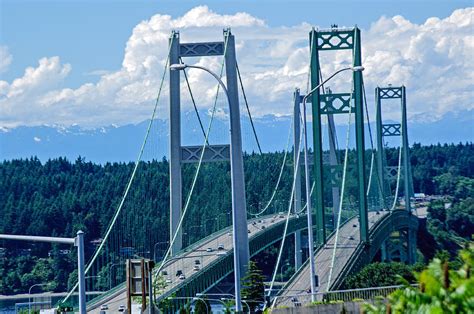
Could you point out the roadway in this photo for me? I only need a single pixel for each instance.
(186, 260)
(348, 240)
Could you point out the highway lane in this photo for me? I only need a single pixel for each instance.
(348, 240)
(185, 262)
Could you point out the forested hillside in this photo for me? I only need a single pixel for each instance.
(59, 197)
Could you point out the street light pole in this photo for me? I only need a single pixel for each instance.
(240, 236)
(78, 241)
(29, 294)
(154, 249)
(309, 211)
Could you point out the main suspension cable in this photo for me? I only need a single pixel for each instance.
(248, 109)
(132, 176)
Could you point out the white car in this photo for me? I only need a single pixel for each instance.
(209, 249)
(104, 307)
(122, 308)
(168, 280)
(196, 268)
(182, 277)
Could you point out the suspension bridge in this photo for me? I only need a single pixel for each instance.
(362, 218)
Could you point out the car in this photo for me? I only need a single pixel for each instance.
(254, 223)
(197, 262)
(220, 247)
(354, 225)
(122, 308)
(263, 227)
(272, 221)
(196, 268)
(281, 216)
(209, 249)
(221, 253)
(104, 307)
(168, 280)
(179, 272)
(351, 238)
(182, 277)
(229, 234)
(260, 221)
(248, 231)
(164, 273)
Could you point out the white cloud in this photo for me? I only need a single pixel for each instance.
(5, 59)
(433, 59)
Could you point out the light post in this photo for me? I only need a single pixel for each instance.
(110, 273)
(29, 294)
(154, 249)
(281, 270)
(78, 242)
(192, 300)
(307, 181)
(240, 237)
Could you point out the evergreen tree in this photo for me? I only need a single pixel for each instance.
(253, 288)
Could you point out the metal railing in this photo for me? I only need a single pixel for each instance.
(361, 294)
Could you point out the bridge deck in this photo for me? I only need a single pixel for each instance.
(300, 284)
(185, 261)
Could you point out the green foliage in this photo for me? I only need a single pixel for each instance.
(253, 288)
(381, 274)
(450, 226)
(202, 306)
(59, 197)
(441, 290)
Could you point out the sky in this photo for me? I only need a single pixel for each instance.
(97, 63)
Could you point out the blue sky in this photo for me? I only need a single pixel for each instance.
(91, 34)
(89, 37)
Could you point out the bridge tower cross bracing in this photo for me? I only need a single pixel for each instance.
(337, 39)
(187, 154)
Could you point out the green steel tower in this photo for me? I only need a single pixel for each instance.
(337, 103)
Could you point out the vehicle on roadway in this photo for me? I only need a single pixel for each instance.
(182, 277)
(220, 247)
(197, 262)
(104, 307)
(122, 308)
(179, 272)
(209, 249)
(196, 268)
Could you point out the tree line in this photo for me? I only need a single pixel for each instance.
(59, 197)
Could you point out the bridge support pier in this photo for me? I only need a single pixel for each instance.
(411, 246)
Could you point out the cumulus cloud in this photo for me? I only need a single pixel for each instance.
(433, 59)
(5, 59)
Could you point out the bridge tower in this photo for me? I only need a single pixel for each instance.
(331, 104)
(393, 129)
(180, 154)
(387, 172)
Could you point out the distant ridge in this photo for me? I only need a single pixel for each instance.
(122, 143)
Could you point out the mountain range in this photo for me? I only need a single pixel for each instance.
(122, 143)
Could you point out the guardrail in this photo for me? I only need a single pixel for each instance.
(361, 294)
